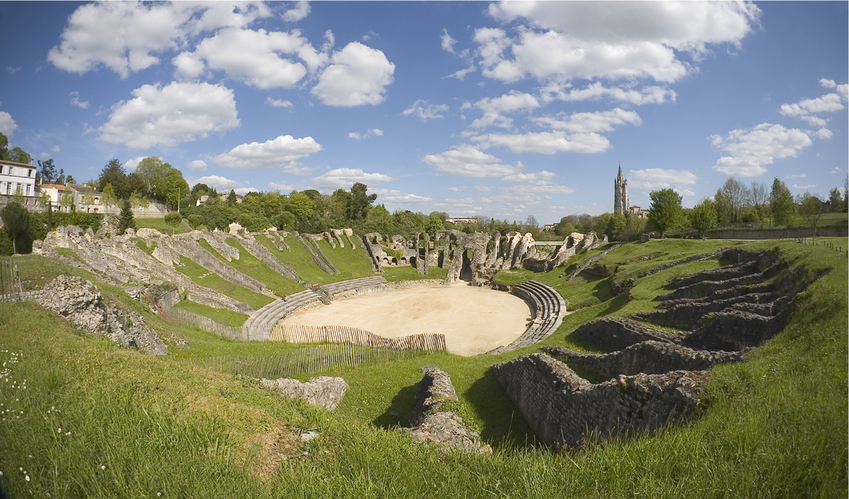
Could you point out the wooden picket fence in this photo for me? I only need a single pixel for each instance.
(303, 361)
(295, 333)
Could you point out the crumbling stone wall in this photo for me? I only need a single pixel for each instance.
(321, 391)
(441, 427)
(563, 408)
(78, 300)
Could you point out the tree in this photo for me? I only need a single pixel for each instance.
(47, 171)
(360, 202)
(107, 196)
(19, 155)
(152, 171)
(138, 200)
(173, 219)
(781, 204)
(665, 210)
(126, 220)
(730, 200)
(66, 200)
(88, 198)
(113, 173)
(835, 201)
(16, 220)
(703, 216)
(4, 147)
(759, 199)
(434, 223)
(231, 198)
(810, 207)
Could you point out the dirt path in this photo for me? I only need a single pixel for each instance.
(474, 320)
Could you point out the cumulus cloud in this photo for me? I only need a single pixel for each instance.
(543, 176)
(424, 110)
(131, 164)
(825, 104)
(75, 100)
(12, 70)
(282, 152)
(7, 124)
(197, 165)
(793, 177)
(281, 186)
(254, 57)
(167, 116)
(360, 136)
(493, 109)
(602, 121)
(651, 179)
(278, 103)
(344, 178)
(357, 76)
(461, 188)
(594, 91)
(447, 42)
(301, 10)
(125, 36)
(466, 161)
(608, 40)
(395, 196)
(55, 149)
(221, 184)
(752, 149)
(545, 142)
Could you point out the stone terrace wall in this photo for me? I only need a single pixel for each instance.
(564, 408)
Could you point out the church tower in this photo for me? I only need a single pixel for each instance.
(620, 194)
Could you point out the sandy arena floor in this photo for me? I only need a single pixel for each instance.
(474, 320)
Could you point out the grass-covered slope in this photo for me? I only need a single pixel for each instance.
(774, 425)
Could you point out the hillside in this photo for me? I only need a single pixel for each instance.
(184, 425)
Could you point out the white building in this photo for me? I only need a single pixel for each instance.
(18, 178)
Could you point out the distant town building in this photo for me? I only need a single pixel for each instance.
(638, 212)
(620, 194)
(461, 221)
(79, 191)
(18, 178)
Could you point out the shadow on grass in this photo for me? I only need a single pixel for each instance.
(400, 411)
(503, 423)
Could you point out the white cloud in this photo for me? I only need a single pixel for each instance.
(545, 142)
(253, 57)
(494, 109)
(344, 178)
(752, 149)
(197, 165)
(461, 188)
(124, 36)
(483, 188)
(281, 152)
(44, 155)
(424, 110)
(602, 121)
(7, 124)
(466, 161)
(651, 179)
(793, 177)
(219, 183)
(609, 40)
(131, 164)
(281, 186)
(803, 187)
(645, 95)
(395, 196)
(12, 70)
(447, 41)
(836, 169)
(358, 75)
(825, 104)
(360, 136)
(543, 176)
(167, 116)
(301, 10)
(55, 149)
(75, 100)
(823, 133)
(827, 83)
(278, 103)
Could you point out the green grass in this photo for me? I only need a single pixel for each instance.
(408, 273)
(297, 258)
(203, 277)
(160, 225)
(351, 262)
(254, 267)
(220, 315)
(773, 426)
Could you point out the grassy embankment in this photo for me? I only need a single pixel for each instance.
(775, 425)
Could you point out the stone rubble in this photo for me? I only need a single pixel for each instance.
(320, 391)
(79, 301)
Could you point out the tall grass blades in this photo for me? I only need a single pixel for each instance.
(304, 361)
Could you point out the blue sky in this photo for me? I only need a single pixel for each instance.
(498, 109)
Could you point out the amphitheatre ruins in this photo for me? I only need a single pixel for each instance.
(648, 378)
